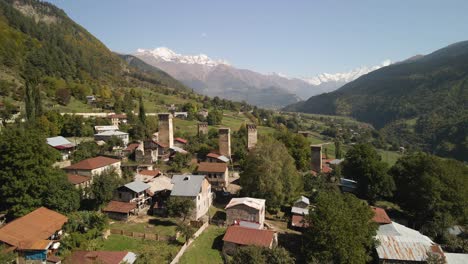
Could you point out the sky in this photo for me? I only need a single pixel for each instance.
(299, 38)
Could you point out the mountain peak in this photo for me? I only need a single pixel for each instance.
(168, 55)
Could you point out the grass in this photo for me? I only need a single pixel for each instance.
(389, 157)
(161, 251)
(206, 248)
(160, 226)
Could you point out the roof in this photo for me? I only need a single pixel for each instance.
(299, 210)
(456, 258)
(119, 207)
(132, 147)
(104, 257)
(213, 155)
(35, 244)
(77, 179)
(162, 145)
(40, 224)
(59, 142)
(380, 216)
(336, 161)
(102, 128)
(398, 242)
(92, 163)
(250, 202)
(303, 199)
(161, 183)
(187, 185)
(111, 133)
(120, 116)
(248, 236)
(137, 186)
(249, 224)
(153, 173)
(181, 140)
(299, 221)
(179, 150)
(212, 167)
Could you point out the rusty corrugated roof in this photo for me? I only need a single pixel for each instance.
(248, 236)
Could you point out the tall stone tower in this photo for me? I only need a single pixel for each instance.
(316, 158)
(202, 128)
(166, 130)
(251, 136)
(225, 142)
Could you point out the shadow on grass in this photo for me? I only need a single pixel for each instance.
(293, 244)
(160, 222)
(218, 243)
(219, 215)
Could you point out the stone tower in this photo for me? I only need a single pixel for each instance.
(251, 136)
(225, 142)
(316, 158)
(166, 130)
(202, 128)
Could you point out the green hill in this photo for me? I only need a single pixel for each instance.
(420, 102)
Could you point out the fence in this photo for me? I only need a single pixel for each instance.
(147, 236)
(187, 243)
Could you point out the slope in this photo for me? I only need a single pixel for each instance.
(419, 102)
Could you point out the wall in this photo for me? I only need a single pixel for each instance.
(225, 142)
(244, 212)
(166, 130)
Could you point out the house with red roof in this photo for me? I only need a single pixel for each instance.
(94, 166)
(63, 145)
(120, 210)
(216, 173)
(216, 158)
(380, 216)
(34, 236)
(79, 181)
(180, 142)
(237, 236)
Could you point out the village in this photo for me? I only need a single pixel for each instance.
(188, 215)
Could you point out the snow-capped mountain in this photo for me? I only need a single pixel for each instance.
(168, 55)
(344, 77)
(218, 78)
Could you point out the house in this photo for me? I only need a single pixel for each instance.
(91, 99)
(237, 236)
(163, 151)
(182, 115)
(299, 210)
(136, 192)
(120, 210)
(195, 187)
(400, 244)
(63, 145)
(34, 236)
(94, 166)
(203, 113)
(347, 185)
(101, 129)
(180, 142)
(214, 157)
(216, 173)
(118, 119)
(147, 151)
(380, 216)
(147, 175)
(102, 257)
(79, 181)
(161, 188)
(108, 135)
(245, 209)
(130, 149)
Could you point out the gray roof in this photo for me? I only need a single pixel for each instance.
(58, 141)
(223, 158)
(336, 161)
(187, 185)
(137, 186)
(111, 133)
(299, 210)
(303, 199)
(456, 258)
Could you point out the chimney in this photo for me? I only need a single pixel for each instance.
(225, 142)
(251, 136)
(202, 128)
(316, 158)
(166, 130)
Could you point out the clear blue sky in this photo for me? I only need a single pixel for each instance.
(297, 38)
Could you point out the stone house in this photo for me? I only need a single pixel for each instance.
(238, 236)
(216, 173)
(35, 236)
(196, 188)
(245, 209)
(94, 166)
(136, 192)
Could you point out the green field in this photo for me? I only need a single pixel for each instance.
(156, 225)
(206, 248)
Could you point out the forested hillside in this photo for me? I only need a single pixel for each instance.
(420, 103)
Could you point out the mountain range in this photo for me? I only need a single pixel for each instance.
(420, 103)
(219, 78)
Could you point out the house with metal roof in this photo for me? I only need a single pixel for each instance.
(63, 145)
(104, 257)
(136, 192)
(245, 209)
(400, 244)
(196, 188)
(95, 166)
(108, 135)
(237, 236)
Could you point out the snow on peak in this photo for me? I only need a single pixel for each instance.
(166, 54)
(345, 77)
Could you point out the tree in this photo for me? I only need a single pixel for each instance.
(261, 255)
(63, 96)
(85, 150)
(215, 117)
(180, 161)
(142, 112)
(103, 187)
(340, 230)
(180, 207)
(270, 173)
(338, 152)
(27, 173)
(363, 164)
(186, 230)
(7, 257)
(298, 147)
(432, 190)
